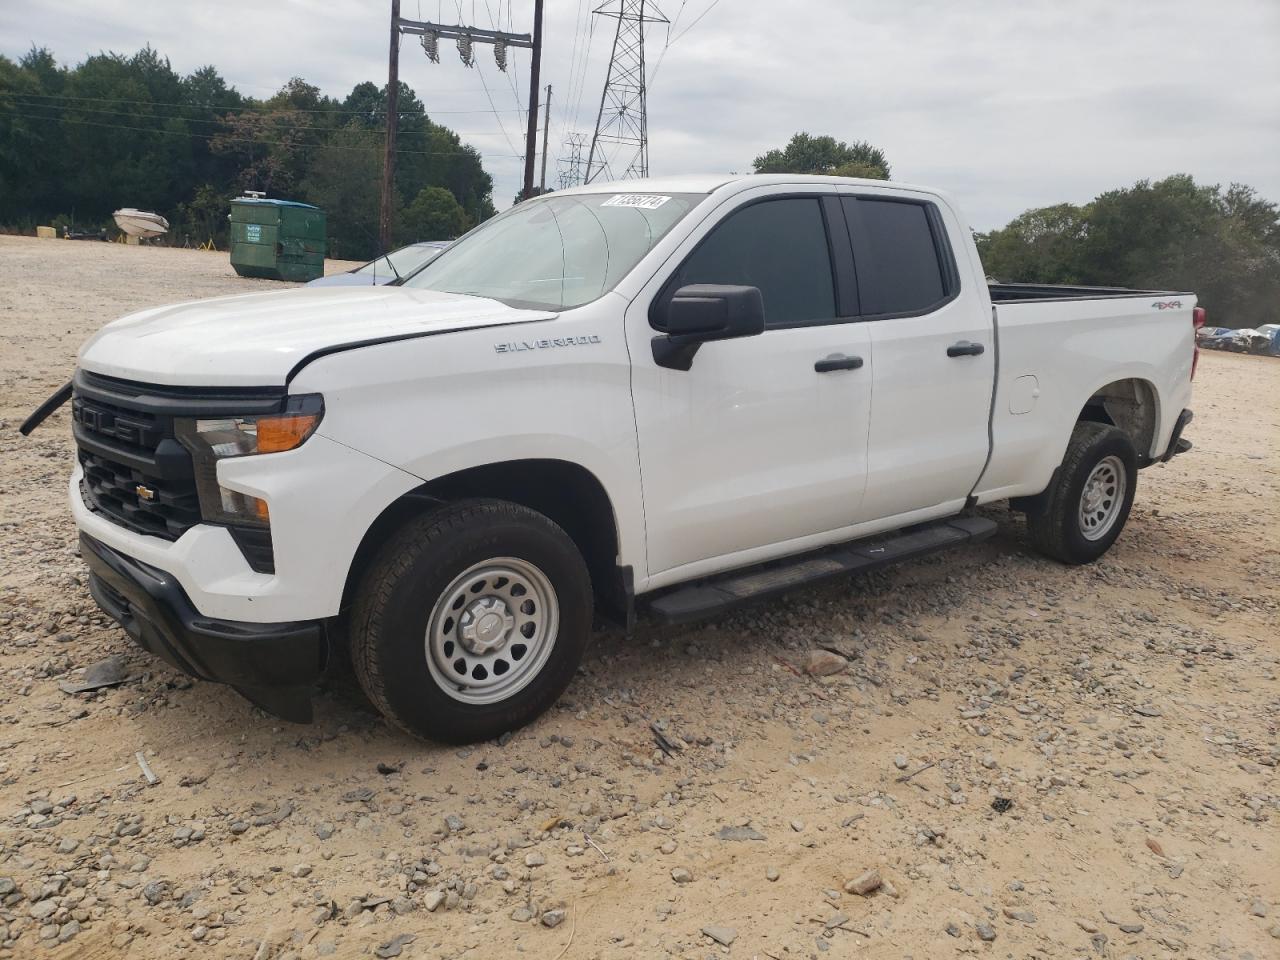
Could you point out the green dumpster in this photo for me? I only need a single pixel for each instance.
(277, 239)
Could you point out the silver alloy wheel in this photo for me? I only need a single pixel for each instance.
(1102, 497)
(492, 630)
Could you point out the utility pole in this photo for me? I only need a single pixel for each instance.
(430, 34)
(531, 136)
(546, 126)
(622, 121)
(393, 120)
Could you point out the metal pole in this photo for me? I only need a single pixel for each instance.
(531, 137)
(393, 118)
(546, 126)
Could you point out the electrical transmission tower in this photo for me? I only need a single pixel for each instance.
(572, 162)
(621, 138)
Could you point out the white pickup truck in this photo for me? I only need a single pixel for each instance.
(670, 395)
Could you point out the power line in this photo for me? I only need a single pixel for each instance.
(257, 107)
(711, 7)
(254, 140)
(224, 122)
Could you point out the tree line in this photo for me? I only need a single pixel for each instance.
(1173, 234)
(77, 143)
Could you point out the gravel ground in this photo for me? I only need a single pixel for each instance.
(1010, 758)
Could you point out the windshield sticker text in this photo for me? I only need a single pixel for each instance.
(521, 345)
(638, 200)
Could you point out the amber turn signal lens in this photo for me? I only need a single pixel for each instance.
(285, 432)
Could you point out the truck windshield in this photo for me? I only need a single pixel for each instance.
(556, 252)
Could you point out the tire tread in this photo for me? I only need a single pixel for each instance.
(1047, 530)
(427, 533)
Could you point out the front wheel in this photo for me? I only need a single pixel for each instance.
(1091, 497)
(471, 621)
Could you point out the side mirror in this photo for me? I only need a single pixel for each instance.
(702, 312)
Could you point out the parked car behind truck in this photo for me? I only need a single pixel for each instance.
(669, 396)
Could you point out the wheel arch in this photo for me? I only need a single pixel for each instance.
(566, 492)
(1131, 404)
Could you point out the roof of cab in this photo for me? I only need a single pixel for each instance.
(709, 183)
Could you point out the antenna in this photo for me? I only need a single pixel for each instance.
(621, 138)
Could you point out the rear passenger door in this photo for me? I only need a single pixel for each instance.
(934, 354)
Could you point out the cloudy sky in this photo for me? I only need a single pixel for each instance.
(1008, 104)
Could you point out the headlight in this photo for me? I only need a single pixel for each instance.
(217, 438)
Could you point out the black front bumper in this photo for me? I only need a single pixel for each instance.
(274, 665)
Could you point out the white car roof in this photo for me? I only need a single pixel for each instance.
(709, 183)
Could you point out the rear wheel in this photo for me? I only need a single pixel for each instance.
(1091, 496)
(471, 621)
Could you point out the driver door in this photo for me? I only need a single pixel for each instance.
(760, 443)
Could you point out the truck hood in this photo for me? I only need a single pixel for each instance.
(258, 339)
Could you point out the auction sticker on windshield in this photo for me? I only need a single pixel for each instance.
(639, 200)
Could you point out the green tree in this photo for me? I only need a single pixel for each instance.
(825, 155)
(127, 130)
(1171, 234)
(434, 214)
(1040, 246)
(345, 180)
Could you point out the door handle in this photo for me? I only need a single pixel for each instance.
(837, 361)
(965, 349)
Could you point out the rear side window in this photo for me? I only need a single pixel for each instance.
(898, 256)
(779, 246)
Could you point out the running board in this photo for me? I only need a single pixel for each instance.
(705, 598)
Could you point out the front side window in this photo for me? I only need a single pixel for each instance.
(779, 246)
(898, 267)
(556, 252)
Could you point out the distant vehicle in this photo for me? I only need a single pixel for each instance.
(1205, 335)
(654, 394)
(1248, 340)
(391, 266)
(1271, 346)
(140, 223)
(1222, 338)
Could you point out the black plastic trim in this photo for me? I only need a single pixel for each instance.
(256, 546)
(1176, 444)
(714, 595)
(322, 352)
(274, 665)
(173, 401)
(42, 413)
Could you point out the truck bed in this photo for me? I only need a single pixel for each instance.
(1029, 292)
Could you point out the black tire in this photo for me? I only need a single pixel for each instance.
(1058, 531)
(406, 581)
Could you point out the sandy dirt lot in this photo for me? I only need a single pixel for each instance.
(1125, 714)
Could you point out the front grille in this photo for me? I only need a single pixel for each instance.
(135, 472)
(142, 503)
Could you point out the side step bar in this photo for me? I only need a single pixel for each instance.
(705, 598)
